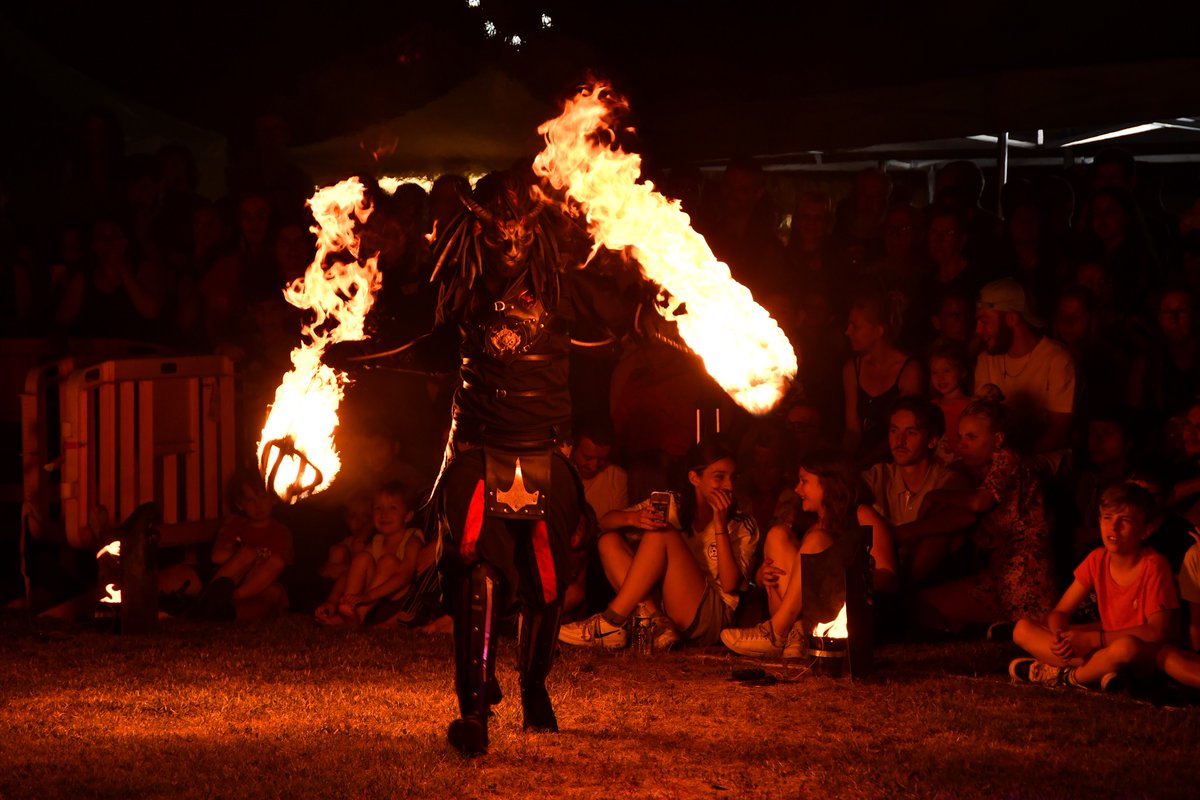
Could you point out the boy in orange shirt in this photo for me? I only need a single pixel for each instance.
(1136, 595)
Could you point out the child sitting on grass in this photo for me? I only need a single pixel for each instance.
(383, 568)
(250, 553)
(1135, 594)
(358, 515)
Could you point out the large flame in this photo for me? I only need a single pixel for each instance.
(297, 440)
(833, 630)
(114, 594)
(742, 348)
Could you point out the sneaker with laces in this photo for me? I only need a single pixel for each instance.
(1030, 670)
(595, 631)
(795, 645)
(666, 635)
(757, 641)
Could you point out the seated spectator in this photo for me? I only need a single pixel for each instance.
(1136, 598)
(1035, 373)
(606, 488)
(1173, 532)
(251, 552)
(1012, 538)
(1110, 444)
(953, 321)
(1183, 664)
(875, 376)
(859, 229)
(948, 384)
(384, 568)
(1165, 376)
(815, 332)
(900, 486)
(1091, 275)
(901, 265)
(605, 484)
(1100, 364)
(831, 489)
(120, 292)
(358, 515)
(805, 427)
(763, 485)
(956, 267)
(689, 567)
(1025, 250)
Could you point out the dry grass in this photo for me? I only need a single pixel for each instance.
(290, 710)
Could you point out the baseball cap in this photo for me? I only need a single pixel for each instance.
(1007, 294)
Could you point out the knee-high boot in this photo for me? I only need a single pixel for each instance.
(474, 650)
(535, 653)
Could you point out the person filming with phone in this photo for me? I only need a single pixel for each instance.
(689, 567)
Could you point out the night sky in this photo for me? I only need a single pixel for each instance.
(333, 68)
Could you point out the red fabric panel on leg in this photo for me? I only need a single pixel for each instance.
(545, 561)
(472, 525)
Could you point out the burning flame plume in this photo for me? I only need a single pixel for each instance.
(113, 548)
(833, 630)
(297, 440)
(114, 594)
(742, 348)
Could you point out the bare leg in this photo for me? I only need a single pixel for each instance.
(261, 575)
(238, 565)
(791, 602)
(617, 556)
(1180, 664)
(780, 548)
(1122, 652)
(663, 556)
(1036, 639)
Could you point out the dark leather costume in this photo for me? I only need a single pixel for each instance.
(508, 499)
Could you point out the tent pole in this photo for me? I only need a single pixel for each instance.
(1001, 170)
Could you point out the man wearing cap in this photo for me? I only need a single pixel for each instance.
(1035, 373)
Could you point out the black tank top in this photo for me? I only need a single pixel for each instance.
(873, 411)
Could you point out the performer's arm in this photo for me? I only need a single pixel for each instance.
(435, 353)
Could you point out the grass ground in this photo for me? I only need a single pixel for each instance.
(287, 709)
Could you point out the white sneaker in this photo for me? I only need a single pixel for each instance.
(666, 635)
(595, 631)
(758, 641)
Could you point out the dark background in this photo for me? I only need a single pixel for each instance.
(705, 80)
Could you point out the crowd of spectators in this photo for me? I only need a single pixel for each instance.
(971, 383)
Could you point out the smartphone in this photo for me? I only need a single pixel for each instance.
(660, 504)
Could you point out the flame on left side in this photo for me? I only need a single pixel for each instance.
(114, 594)
(296, 451)
(833, 630)
(113, 548)
(741, 346)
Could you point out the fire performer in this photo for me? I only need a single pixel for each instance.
(507, 499)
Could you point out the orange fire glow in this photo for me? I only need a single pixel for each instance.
(112, 549)
(114, 594)
(741, 346)
(297, 439)
(833, 630)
